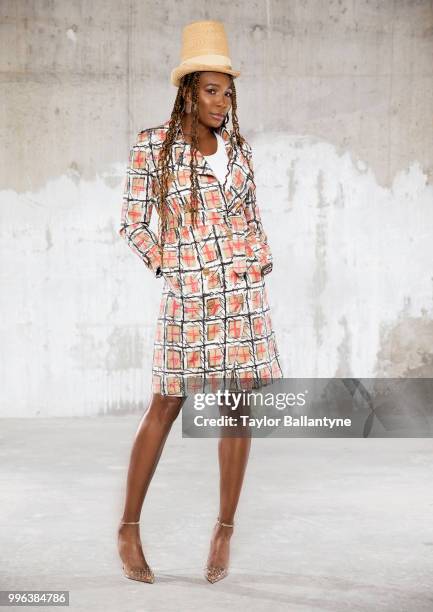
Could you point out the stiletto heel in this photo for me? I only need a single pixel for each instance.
(142, 574)
(213, 573)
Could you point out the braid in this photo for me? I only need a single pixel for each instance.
(166, 152)
(193, 204)
(238, 137)
(189, 81)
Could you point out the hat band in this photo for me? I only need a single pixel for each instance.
(209, 60)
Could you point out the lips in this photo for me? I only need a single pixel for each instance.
(219, 117)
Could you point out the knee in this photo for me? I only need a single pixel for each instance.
(165, 409)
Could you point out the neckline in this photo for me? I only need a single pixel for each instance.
(218, 137)
(226, 140)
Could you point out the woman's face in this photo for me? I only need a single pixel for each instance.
(214, 98)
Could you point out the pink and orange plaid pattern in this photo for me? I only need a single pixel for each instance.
(214, 318)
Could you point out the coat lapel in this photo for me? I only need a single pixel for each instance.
(182, 152)
(238, 169)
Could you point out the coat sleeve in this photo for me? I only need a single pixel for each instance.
(138, 203)
(261, 246)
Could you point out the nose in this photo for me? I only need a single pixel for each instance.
(222, 102)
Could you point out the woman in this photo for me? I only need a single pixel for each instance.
(212, 253)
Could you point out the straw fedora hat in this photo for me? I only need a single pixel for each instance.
(204, 47)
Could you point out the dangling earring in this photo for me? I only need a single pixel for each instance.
(226, 120)
(187, 107)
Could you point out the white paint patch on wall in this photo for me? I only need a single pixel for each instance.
(79, 306)
(71, 34)
(352, 260)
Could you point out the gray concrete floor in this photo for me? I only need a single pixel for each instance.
(323, 524)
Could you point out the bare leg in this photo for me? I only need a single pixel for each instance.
(149, 441)
(233, 456)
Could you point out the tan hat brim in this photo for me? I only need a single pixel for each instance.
(180, 71)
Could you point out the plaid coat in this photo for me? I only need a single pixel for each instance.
(214, 319)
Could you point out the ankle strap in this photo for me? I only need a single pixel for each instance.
(132, 523)
(224, 524)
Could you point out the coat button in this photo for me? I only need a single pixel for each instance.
(206, 271)
(230, 233)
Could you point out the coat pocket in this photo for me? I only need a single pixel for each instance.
(173, 281)
(185, 284)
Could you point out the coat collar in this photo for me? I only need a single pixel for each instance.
(235, 158)
(202, 164)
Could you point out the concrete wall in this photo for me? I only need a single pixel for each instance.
(336, 99)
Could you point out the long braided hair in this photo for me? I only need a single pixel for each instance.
(188, 82)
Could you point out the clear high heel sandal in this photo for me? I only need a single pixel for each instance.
(213, 573)
(142, 574)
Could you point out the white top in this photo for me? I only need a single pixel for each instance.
(219, 160)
